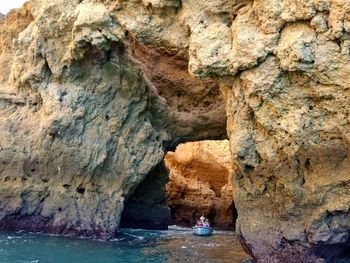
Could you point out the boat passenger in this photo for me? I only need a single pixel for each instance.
(199, 223)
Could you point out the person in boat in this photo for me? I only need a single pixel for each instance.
(199, 223)
(202, 219)
(206, 223)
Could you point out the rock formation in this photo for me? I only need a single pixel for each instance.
(92, 93)
(199, 184)
(82, 119)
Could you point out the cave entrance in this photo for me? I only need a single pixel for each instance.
(147, 206)
(193, 180)
(200, 183)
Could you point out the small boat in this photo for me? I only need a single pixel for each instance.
(202, 230)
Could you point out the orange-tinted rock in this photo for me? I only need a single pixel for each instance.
(199, 183)
(84, 120)
(16, 21)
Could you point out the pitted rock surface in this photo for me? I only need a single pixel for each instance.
(73, 96)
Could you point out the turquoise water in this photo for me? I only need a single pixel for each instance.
(175, 245)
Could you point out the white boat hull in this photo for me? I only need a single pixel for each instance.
(202, 230)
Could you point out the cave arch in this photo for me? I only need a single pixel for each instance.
(183, 109)
(193, 180)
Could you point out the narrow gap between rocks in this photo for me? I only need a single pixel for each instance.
(191, 181)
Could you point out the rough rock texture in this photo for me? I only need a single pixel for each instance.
(80, 158)
(199, 184)
(79, 125)
(183, 108)
(16, 21)
(289, 133)
(83, 122)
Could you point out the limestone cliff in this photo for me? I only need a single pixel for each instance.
(83, 120)
(92, 93)
(199, 184)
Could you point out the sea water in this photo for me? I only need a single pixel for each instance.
(173, 245)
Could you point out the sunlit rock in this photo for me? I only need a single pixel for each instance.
(200, 183)
(93, 93)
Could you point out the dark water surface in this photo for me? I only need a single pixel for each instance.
(174, 245)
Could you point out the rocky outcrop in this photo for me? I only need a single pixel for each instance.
(16, 21)
(79, 122)
(84, 117)
(58, 141)
(288, 131)
(182, 107)
(199, 184)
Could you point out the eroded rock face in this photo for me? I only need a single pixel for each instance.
(78, 119)
(284, 71)
(182, 107)
(199, 184)
(288, 129)
(57, 148)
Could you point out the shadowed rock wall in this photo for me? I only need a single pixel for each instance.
(83, 113)
(147, 207)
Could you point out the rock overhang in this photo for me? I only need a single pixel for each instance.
(282, 67)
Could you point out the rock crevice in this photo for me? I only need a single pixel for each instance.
(97, 91)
